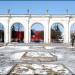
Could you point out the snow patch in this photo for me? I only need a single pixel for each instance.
(17, 55)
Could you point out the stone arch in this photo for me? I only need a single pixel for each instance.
(57, 30)
(37, 32)
(17, 29)
(1, 32)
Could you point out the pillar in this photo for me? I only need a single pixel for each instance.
(6, 35)
(66, 31)
(46, 34)
(26, 34)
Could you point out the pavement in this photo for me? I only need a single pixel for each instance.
(65, 55)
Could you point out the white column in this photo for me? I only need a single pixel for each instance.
(66, 32)
(6, 34)
(46, 33)
(29, 37)
(26, 34)
(69, 30)
(69, 39)
(49, 31)
(66, 35)
(9, 30)
(29, 30)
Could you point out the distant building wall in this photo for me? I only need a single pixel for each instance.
(28, 20)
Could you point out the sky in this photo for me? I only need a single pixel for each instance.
(37, 7)
(59, 25)
(73, 28)
(18, 26)
(37, 27)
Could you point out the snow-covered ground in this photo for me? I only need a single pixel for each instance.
(65, 55)
(44, 69)
(6, 63)
(39, 56)
(5, 70)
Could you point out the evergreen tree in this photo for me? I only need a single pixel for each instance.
(13, 32)
(42, 34)
(56, 32)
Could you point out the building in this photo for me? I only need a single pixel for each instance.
(28, 20)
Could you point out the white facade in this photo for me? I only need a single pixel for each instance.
(28, 20)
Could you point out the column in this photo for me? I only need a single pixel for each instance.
(46, 34)
(66, 38)
(66, 31)
(27, 32)
(6, 34)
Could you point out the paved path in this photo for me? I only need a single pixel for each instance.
(65, 55)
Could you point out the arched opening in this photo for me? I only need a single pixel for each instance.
(57, 30)
(1, 33)
(72, 32)
(17, 33)
(37, 33)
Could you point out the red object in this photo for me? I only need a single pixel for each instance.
(37, 36)
(19, 34)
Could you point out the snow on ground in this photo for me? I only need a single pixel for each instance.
(5, 70)
(39, 54)
(65, 55)
(41, 69)
(6, 58)
(13, 49)
(49, 47)
(17, 56)
(18, 47)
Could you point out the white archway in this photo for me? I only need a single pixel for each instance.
(17, 32)
(37, 32)
(57, 30)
